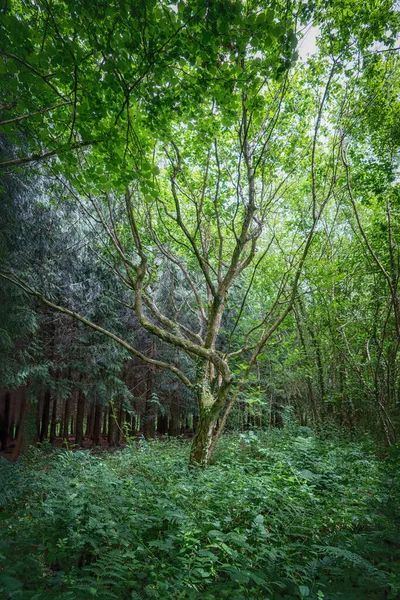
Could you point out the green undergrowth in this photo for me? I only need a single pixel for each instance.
(280, 515)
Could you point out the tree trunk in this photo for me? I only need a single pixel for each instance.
(4, 425)
(173, 426)
(195, 422)
(80, 415)
(90, 422)
(23, 426)
(120, 419)
(38, 416)
(11, 430)
(209, 410)
(67, 409)
(308, 375)
(44, 432)
(53, 420)
(105, 421)
(97, 425)
(162, 424)
(149, 413)
(133, 428)
(111, 428)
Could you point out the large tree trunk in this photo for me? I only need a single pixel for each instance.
(210, 407)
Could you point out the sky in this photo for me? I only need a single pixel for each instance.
(307, 45)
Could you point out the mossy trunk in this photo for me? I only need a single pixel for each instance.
(210, 407)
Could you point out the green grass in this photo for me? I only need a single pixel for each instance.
(284, 515)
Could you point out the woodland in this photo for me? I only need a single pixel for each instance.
(199, 299)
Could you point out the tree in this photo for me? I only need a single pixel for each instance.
(170, 140)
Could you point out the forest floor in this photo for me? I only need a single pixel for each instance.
(280, 515)
(88, 444)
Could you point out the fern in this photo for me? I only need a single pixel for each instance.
(356, 561)
(9, 482)
(138, 524)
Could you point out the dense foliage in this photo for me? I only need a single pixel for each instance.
(195, 186)
(280, 514)
(199, 233)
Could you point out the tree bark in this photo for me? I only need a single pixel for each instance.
(80, 415)
(105, 421)
(111, 428)
(44, 432)
(67, 410)
(149, 416)
(173, 425)
(162, 424)
(90, 422)
(119, 427)
(23, 426)
(133, 428)
(4, 425)
(38, 416)
(97, 425)
(210, 407)
(53, 419)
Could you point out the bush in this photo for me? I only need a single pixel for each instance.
(276, 516)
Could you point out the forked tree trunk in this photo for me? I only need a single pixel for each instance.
(210, 407)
